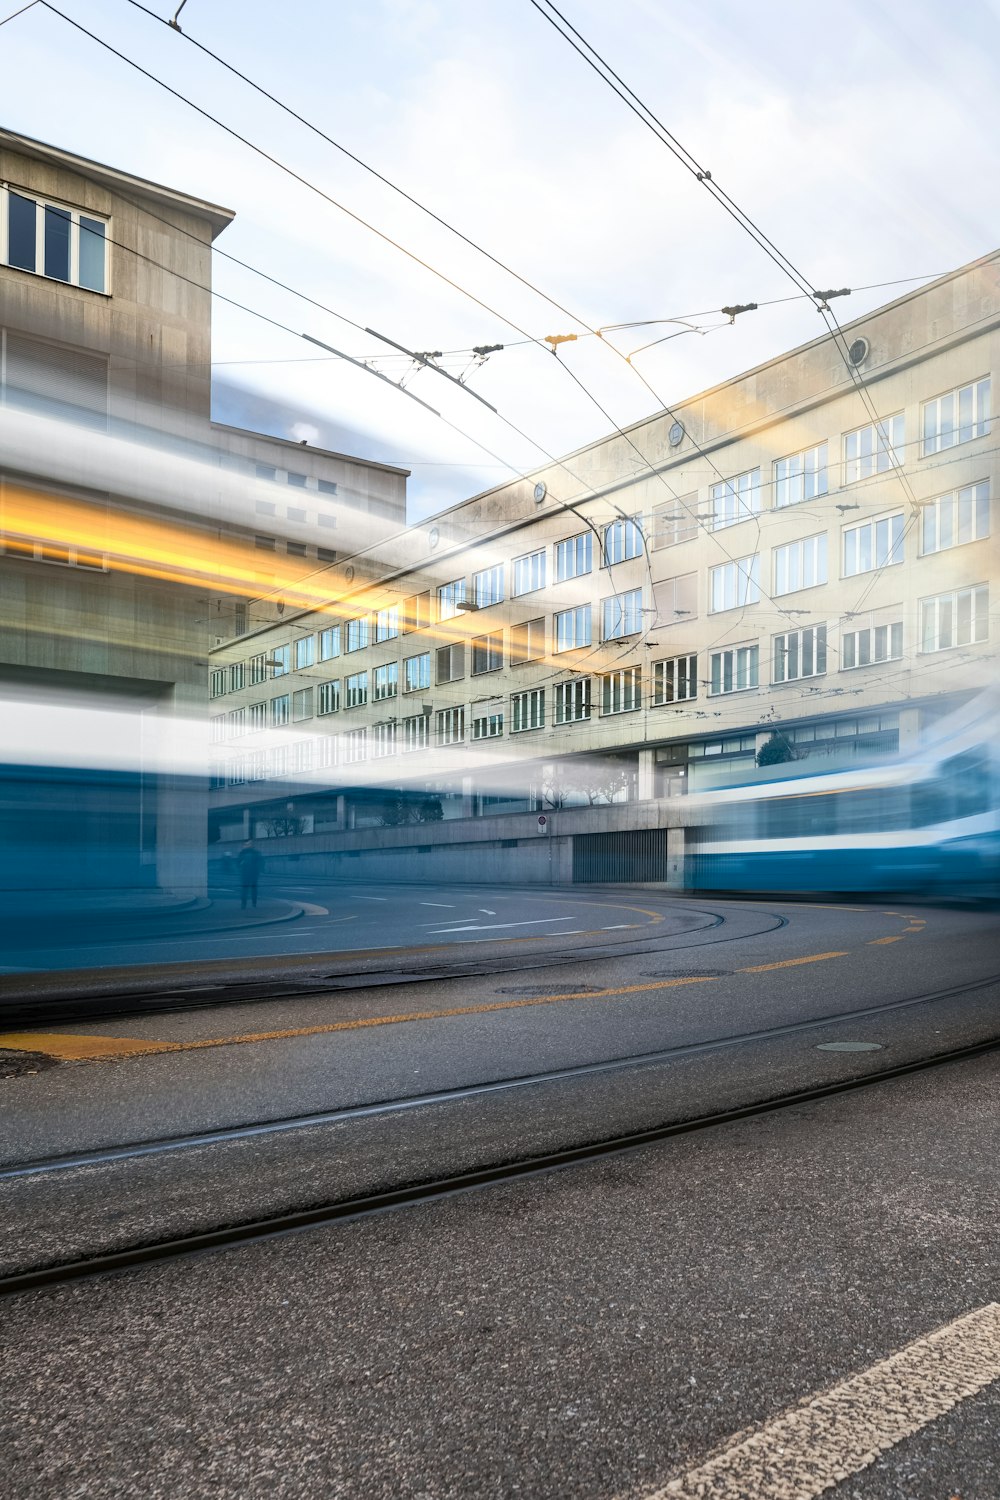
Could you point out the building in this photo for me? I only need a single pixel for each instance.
(134, 532)
(804, 554)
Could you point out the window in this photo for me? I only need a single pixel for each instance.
(623, 539)
(385, 681)
(264, 543)
(329, 697)
(487, 653)
(527, 640)
(676, 599)
(675, 680)
(281, 660)
(450, 663)
(450, 596)
(952, 520)
(355, 743)
(280, 708)
(236, 722)
(329, 643)
(217, 729)
(357, 690)
(239, 618)
(734, 670)
(302, 704)
(385, 739)
(219, 680)
(297, 481)
(328, 521)
(417, 672)
(573, 700)
(621, 691)
(416, 613)
(860, 648)
(873, 449)
(800, 565)
(527, 711)
(675, 521)
(734, 584)
(621, 615)
(357, 633)
(258, 669)
(265, 471)
(800, 477)
(417, 732)
(296, 513)
(325, 554)
(956, 417)
(305, 651)
(735, 500)
(873, 544)
(51, 240)
(450, 726)
(957, 619)
(487, 586)
(572, 628)
(266, 508)
(258, 717)
(529, 573)
(387, 623)
(799, 653)
(574, 556)
(487, 719)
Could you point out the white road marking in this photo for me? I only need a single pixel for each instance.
(490, 926)
(312, 910)
(449, 904)
(365, 898)
(617, 926)
(486, 911)
(830, 1437)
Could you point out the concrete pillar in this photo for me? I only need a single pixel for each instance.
(468, 797)
(341, 814)
(909, 729)
(645, 789)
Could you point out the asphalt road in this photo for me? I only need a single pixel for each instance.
(597, 1332)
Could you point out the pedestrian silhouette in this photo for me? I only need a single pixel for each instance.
(250, 863)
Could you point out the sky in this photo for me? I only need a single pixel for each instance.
(856, 133)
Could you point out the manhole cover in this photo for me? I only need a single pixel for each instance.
(849, 1047)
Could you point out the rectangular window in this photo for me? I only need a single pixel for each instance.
(302, 704)
(675, 680)
(873, 544)
(297, 481)
(258, 669)
(621, 615)
(735, 500)
(952, 520)
(956, 417)
(734, 670)
(860, 648)
(329, 643)
(219, 679)
(416, 613)
(621, 691)
(281, 660)
(623, 540)
(258, 716)
(326, 486)
(417, 672)
(487, 586)
(385, 681)
(527, 641)
(387, 623)
(280, 710)
(873, 449)
(572, 628)
(355, 743)
(450, 726)
(800, 565)
(264, 543)
(384, 737)
(676, 599)
(356, 690)
(675, 521)
(487, 653)
(529, 573)
(266, 508)
(357, 633)
(957, 619)
(329, 697)
(799, 653)
(527, 711)
(217, 729)
(450, 663)
(450, 596)
(573, 700)
(800, 477)
(734, 584)
(487, 719)
(417, 732)
(574, 556)
(305, 651)
(51, 240)
(236, 722)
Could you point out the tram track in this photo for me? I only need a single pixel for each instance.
(416, 1192)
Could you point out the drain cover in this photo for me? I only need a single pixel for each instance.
(849, 1047)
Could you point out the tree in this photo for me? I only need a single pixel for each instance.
(775, 751)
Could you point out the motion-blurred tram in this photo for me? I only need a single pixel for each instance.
(929, 822)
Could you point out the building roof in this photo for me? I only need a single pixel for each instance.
(116, 180)
(299, 447)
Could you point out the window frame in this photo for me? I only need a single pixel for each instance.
(75, 213)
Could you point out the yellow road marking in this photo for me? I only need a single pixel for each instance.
(875, 941)
(72, 1048)
(790, 963)
(914, 929)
